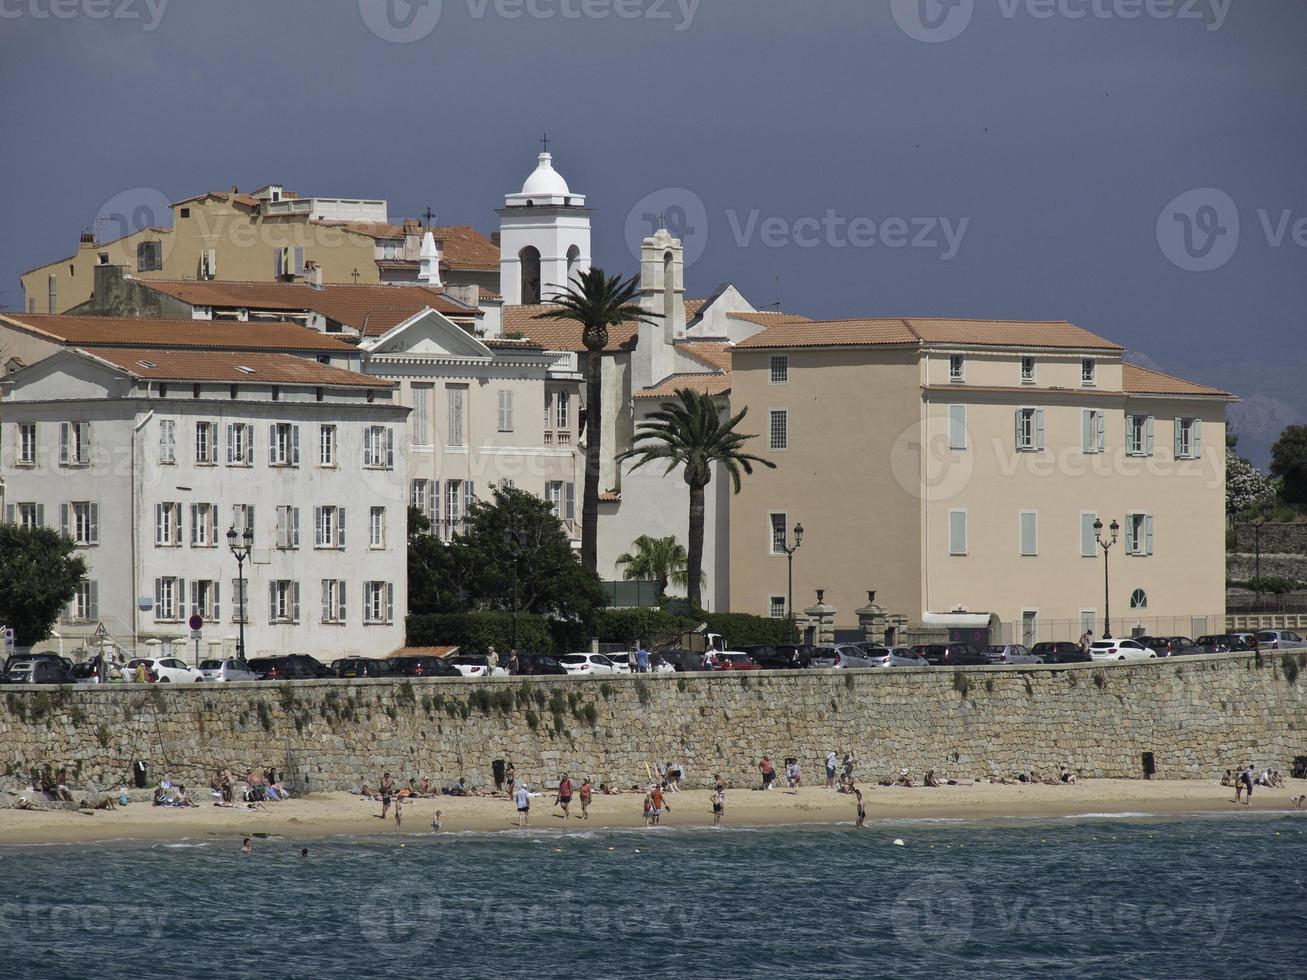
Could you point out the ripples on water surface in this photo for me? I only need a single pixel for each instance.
(1196, 897)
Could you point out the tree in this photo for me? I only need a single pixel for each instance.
(1245, 488)
(434, 582)
(38, 578)
(1289, 463)
(661, 560)
(691, 433)
(597, 302)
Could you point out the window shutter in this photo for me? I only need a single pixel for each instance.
(295, 445)
(1131, 539)
(63, 519)
(1148, 534)
(272, 602)
(957, 427)
(957, 532)
(295, 593)
(63, 443)
(181, 598)
(340, 527)
(1198, 438)
(217, 603)
(294, 527)
(299, 261)
(272, 444)
(341, 598)
(177, 525)
(1029, 530)
(94, 536)
(84, 444)
(1088, 541)
(231, 443)
(158, 525)
(569, 500)
(158, 599)
(317, 527)
(9, 514)
(390, 449)
(1039, 428)
(1018, 442)
(390, 602)
(249, 517)
(327, 603)
(365, 601)
(93, 610)
(1086, 430)
(1148, 429)
(1178, 442)
(469, 496)
(1130, 446)
(195, 524)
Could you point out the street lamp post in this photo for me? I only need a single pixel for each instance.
(241, 545)
(516, 541)
(1115, 528)
(1257, 561)
(789, 550)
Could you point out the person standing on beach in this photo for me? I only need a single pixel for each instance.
(862, 808)
(792, 775)
(648, 809)
(399, 808)
(387, 790)
(768, 770)
(850, 760)
(832, 760)
(564, 797)
(587, 794)
(1245, 784)
(718, 805)
(510, 777)
(656, 799)
(523, 807)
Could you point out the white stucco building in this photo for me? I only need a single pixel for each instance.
(146, 458)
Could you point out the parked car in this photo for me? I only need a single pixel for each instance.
(1280, 640)
(1222, 643)
(225, 671)
(1011, 653)
(1121, 649)
(166, 670)
(892, 656)
(475, 665)
(954, 655)
(356, 667)
(290, 667)
(17, 658)
(37, 672)
(585, 664)
(1166, 646)
(735, 661)
(843, 656)
(536, 664)
(422, 665)
(681, 660)
(1061, 652)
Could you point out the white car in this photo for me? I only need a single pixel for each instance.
(1120, 650)
(166, 670)
(225, 671)
(583, 664)
(471, 665)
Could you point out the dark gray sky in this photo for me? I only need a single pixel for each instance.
(1049, 144)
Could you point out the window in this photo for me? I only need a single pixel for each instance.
(378, 603)
(780, 369)
(957, 368)
(283, 444)
(420, 496)
(776, 529)
(1139, 534)
(168, 525)
(1088, 536)
(1188, 439)
(1027, 370)
(778, 429)
(378, 448)
(957, 532)
(28, 516)
(549, 413)
(288, 528)
(776, 606)
(377, 527)
(457, 395)
(1029, 626)
(1093, 427)
(74, 443)
(421, 417)
(327, 445)
(329, 527)
(1088, 371)
(283, 601)
(333, 601)
(453, 504)
(81, 522)
(1139, 435)
(206, 443)
(26, 444)
(169, 599)
(239, 588)
(242, 516)
(1138, 599)
(204, 599)
(204, 525)
(167, 442)
(240, 444)
(149, 256)
(957, 427)
(1029, 522)
(562, 403)
(562, 499)
(85, 607)
(505, 410)
(1030, 430)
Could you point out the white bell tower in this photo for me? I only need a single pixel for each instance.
(662, 292)
(544, 237)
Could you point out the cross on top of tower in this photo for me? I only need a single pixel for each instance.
(428, 214)
(544, 141)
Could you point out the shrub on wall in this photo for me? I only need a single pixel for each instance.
(477, 632)
(744, 629)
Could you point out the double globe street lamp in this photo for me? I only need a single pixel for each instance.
(789, 550)
(1115, 528)
(241, 545)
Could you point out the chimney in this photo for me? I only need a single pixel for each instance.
(468, 294)
(494, 239)
(429, 261)
(313, 274)
(235, 189)
(87, 240)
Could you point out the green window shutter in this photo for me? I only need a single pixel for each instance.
(1029, 531)
(1039, 428)
(957, 532)
(957, 427)
(1088, 539)
(1148, 436)
(1198, 438)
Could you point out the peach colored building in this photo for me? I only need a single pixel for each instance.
(959, 465)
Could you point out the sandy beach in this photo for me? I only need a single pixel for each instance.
(330, 814)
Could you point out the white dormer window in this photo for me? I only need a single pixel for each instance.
(957, 368)
(1088, 371)
(1027, 370)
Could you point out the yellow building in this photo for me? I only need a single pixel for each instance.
(960, 465)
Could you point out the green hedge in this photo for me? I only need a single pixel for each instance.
(476, 632)
(743, 629)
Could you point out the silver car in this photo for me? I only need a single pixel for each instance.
(892, 656)
(1280, 640)
(227, 671)
(1011, 653)
(841, 656)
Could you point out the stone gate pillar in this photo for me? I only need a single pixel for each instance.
(821, 620)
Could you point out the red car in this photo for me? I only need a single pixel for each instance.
(735, 661)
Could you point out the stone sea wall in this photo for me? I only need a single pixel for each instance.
(1198, 716)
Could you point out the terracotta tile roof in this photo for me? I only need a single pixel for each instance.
(502, 343)
(768, 318)
(1144, 381)
(562, 334)
(610, 497)
(245, 200)
(714, 353)
(692, 308)
(114, 331)
(423, 652)
(194, 365)
(918, 331)
(705, 384)
(467, 248)
(347, 304)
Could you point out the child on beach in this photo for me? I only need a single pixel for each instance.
(648, 809)
(862, 808)
(435, 823)
(399, 809)
(587, 793)
(792, 775)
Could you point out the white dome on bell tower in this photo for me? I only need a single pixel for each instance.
(544, 236)
(545, 181)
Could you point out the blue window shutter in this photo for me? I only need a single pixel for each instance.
(1148, 426)
(1178, 446)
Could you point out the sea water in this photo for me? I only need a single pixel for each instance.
(1124, 897)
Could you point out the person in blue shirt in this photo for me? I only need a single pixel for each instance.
(642, 658)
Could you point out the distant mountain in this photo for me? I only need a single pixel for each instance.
(1258, 421)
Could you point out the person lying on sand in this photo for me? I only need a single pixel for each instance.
(1067, 776)
(930, 779)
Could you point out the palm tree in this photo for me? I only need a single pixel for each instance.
(692, 433)
(597, 302)
(657, 559)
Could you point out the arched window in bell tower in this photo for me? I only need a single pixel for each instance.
(529, 258)
(573, 261)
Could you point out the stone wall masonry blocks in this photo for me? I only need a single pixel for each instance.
(1197, 716)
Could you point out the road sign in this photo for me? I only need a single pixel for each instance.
(100, 632)
(196, 621)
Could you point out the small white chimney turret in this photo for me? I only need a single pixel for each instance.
(429, 259)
